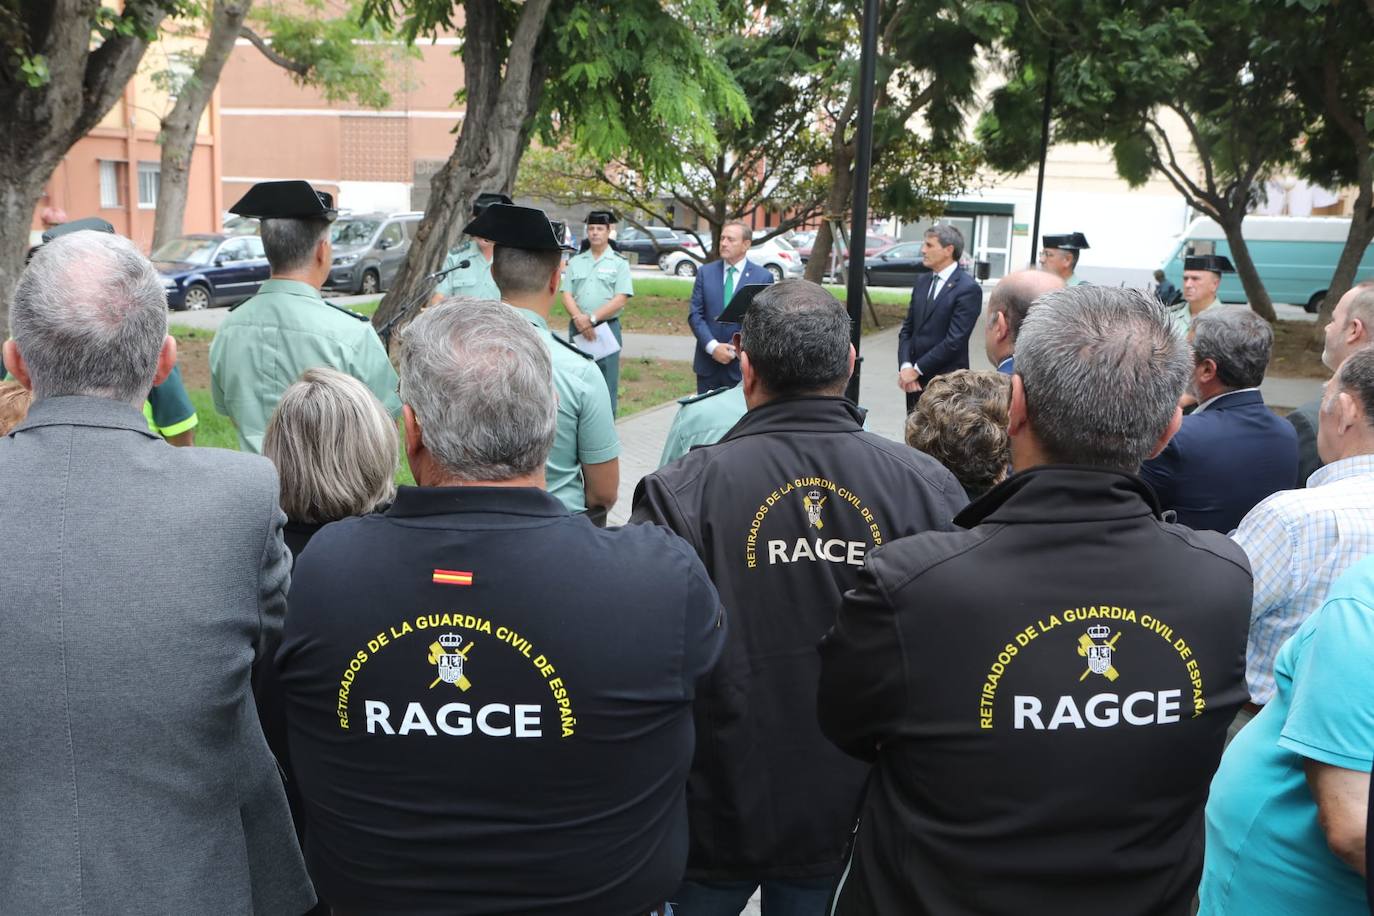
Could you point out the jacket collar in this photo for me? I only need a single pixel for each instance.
(1241, 397)
(803, 414)
(291, 287)
(1062, 493)
(78, 410)
(417, 502)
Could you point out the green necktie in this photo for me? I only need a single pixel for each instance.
(729, 286)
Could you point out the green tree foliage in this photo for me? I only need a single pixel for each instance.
(1160, 82)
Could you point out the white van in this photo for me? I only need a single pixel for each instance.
(1294, 255)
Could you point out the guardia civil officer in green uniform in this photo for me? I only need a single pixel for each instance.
(703, 419)
(583, 467)
(471, 264)
(267, 342)
(596, 287)
(1201, 280)
(1060, 253)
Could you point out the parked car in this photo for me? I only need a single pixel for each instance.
(199, 271)
(242, 225)
(895, 265)
(775, 255)
(368, 250)
(652, 246)
(802, 240)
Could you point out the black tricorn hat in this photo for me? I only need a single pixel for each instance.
(516, 227)
(1216, 263)
(1073, 241)
(486, 199)
(601, 218)
(286, 200)
(88, 224)
(740, 302)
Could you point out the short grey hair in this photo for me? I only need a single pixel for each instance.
(89, 317)
(335, 448)
(480, 381)
(1102, 370)
(1237, 340)
(521, 271)
(290, 243)
(1356, 376)
(797, 337)
(1362, 305)
(947, 235)
(743, 227)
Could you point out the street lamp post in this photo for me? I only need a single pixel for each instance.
(863, 162)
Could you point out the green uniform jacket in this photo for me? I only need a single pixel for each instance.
(473, 281)
(1182, 316)
(703, 419)
(586, 430)
(267, 342)
(595, 281)
(169, 410)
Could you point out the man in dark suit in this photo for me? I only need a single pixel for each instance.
(1232, 451)
(717, 362)
(944, 308)
(1351, 329)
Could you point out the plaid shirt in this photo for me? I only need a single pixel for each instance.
(1298, 542)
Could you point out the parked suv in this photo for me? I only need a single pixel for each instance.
(655, 244)
(368, 250)
(776, 256)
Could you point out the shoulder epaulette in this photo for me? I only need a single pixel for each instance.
(693, 398)
(347, 311)
(571, 347)
(240, 302)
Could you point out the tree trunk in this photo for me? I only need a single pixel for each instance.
(1255, 292)
(1356, 244)
(43, 122)
(837, 204)
(178, 136)
(489, 147)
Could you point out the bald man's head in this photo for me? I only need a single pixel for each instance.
(1011, 299)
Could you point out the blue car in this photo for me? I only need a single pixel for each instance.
(199, 271)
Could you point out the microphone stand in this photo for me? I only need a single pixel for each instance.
(426, 289)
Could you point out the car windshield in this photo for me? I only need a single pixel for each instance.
(353, 231)
(783, 243)
(190, 251)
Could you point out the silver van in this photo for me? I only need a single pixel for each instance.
(368, 250)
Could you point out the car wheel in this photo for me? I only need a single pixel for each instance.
(663, 263)
(371, 282)
(776, 271)
(1314, 305)
(197, 297)
(686, 268)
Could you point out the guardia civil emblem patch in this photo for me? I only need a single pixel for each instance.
(1099, 651)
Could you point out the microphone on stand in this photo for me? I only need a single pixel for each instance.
(426, 288)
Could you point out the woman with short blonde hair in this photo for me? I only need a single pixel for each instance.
(335, 448)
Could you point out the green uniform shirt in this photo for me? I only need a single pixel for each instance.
(595, 281)
(169, 410)
(703, 419)
(586, 430)
(473, 281)
(1182, 315)
(265, 344)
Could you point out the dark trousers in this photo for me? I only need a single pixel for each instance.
(720, 376)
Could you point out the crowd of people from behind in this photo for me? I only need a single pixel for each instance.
(1065, 650)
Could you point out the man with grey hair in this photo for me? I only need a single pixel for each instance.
(133, 774)
(469, 732)
(940, 318)
(1072, 649)
(783, 511)
(1351, 328)
(267, 342)
(1232, 451)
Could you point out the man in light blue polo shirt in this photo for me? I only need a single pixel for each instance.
(1286, 817)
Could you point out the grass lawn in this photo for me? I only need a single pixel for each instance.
(644, 383)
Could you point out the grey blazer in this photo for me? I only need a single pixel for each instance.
(137, 584)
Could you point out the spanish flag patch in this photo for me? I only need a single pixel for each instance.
(452, 577)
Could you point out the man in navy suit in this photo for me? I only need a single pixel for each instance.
(944, 308)
(717, 362)
(1232, 451)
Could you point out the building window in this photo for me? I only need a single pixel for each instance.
(148, 173)
(111, 184)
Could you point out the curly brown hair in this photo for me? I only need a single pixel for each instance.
(961, 422)
(14, 405)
